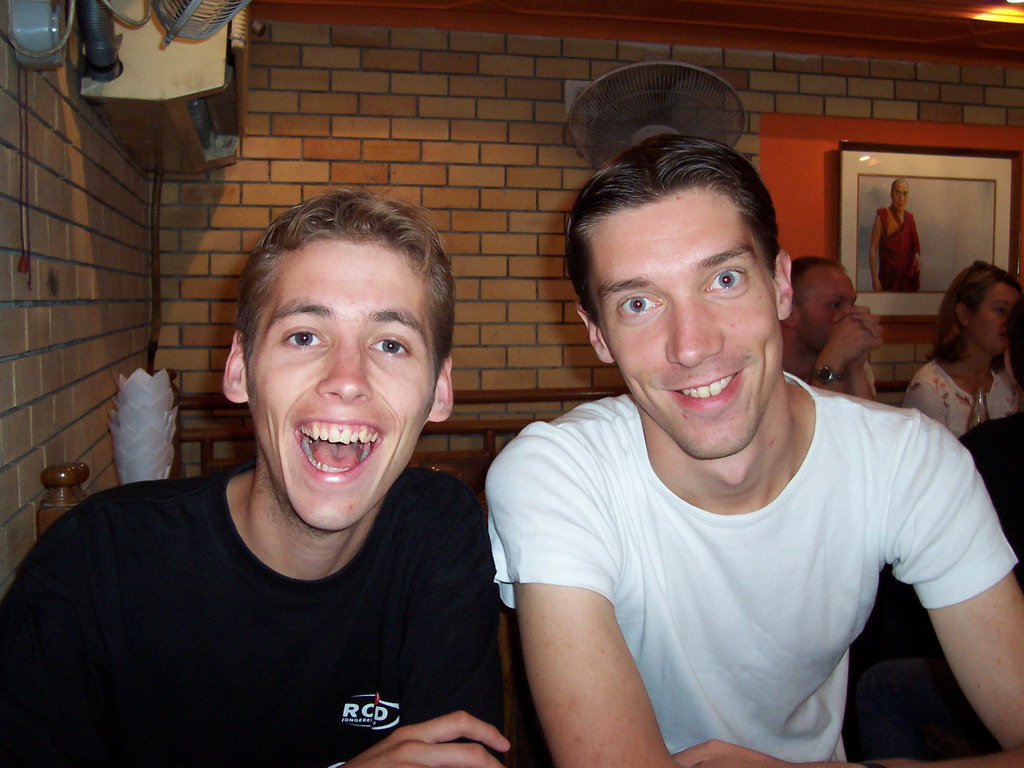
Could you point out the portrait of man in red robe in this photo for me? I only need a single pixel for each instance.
(894, 255)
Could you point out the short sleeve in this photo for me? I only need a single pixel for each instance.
(549, 515)
(947, 542)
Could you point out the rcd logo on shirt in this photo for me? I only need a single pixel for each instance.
(368, 710)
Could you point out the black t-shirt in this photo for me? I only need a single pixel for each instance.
(998, 450)
(143, 632)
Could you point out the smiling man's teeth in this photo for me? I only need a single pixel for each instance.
(333, 433)
(710, 390)
(337, 434)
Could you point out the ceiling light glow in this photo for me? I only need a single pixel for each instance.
(1005, 15)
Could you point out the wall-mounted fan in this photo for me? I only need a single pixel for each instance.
(636, 101)
(195, 19)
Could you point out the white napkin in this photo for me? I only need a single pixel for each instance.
(143, 426)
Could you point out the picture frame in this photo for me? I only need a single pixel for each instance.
(965, 205)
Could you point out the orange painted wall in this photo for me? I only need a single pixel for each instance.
(799, 163)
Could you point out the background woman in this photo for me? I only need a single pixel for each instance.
(968, 355)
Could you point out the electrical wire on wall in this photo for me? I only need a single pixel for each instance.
(25, 262)
(156, 314)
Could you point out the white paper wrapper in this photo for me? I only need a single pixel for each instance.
(143, 426)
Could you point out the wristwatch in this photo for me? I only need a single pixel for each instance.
(827, 374)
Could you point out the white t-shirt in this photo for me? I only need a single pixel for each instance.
(740, 624)
(933, 392)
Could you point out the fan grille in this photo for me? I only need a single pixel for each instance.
(640, 100)
(195, 19)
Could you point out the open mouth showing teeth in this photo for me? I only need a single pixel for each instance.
(337, 448)
(709, 390)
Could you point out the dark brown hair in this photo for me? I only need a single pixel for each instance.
(658, 167)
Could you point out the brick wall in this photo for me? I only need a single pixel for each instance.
(84, 318)
(474, 126)
(470, 125)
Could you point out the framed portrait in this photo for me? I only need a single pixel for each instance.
(910, 218)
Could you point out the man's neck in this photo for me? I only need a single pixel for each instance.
(282, 542)
(754, 477)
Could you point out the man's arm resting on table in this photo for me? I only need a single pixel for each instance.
(587, 689)
(432, 743)
(983, 639)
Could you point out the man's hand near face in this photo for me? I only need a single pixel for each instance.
(433, 744)
(853, 336)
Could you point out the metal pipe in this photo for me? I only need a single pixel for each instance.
(100, 42)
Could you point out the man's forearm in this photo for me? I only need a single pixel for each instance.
(858, 384)
(1009, 758)
(716, 754)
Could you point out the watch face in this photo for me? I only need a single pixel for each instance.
(827, 375)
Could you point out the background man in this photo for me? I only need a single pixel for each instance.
(911, 705)
(691, 563)
(295, 611)
(827, 336)
(997, 446)
(894, 254)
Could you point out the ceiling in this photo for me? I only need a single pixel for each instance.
(922, 30)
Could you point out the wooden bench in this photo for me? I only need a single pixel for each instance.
(218, 444)
(488, 432)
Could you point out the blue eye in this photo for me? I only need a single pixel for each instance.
(304, 339)
(390, 346)
(637, 304)
(727, 279)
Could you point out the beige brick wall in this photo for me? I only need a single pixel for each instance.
(80, 315)
(471, 125)
(474, 127)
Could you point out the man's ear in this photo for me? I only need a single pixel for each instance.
(234, 383)
(443, 393)
(596, 336)
(783, 285)
(793, 320)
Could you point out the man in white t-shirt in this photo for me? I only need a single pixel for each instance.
(691, 562)
(827, 337)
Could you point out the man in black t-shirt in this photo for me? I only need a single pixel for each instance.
(998, 447)
(319, 606)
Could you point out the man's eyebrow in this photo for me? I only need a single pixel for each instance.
(639, 283)
(717, 259)
(398, 316)
(292, 308)
(380, 316)
(619, 286)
